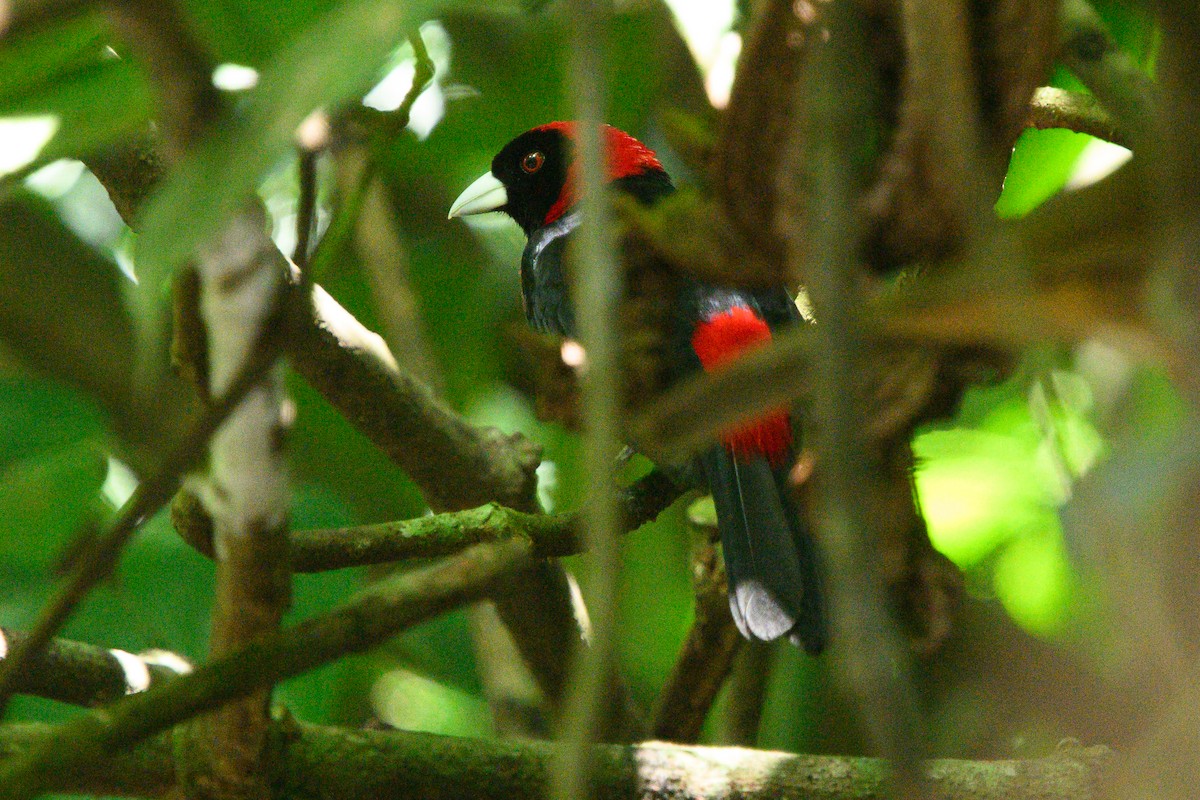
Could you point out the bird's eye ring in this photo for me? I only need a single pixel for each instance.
(532, 162)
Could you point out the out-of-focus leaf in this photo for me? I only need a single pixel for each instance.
(413, 702)
(1041, 163)
(335, 58)
(250, 32)
(1132, 26)
(979, 490)
(96, 106)
(1034, 582)
(46, 55)
(45, 500)
(39, 416)
(66, 73)
(61, 306)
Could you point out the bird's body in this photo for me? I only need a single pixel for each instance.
(770, 558)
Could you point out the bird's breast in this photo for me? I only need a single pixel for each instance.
(543, 283)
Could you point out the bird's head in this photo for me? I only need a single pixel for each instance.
(534, 178)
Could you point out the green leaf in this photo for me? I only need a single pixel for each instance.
(1034, 581)
(66, 73)
(46, 55)
(1132, 26)
(44, 501)
(1042, 161)
(979, 490)
(96, 106)
(61, 304)
(38, 416)
(334, 60)
(251, 32)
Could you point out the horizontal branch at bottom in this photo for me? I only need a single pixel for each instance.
(323, 762)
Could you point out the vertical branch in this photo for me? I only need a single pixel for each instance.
(597, 291)
(516, 703)
(706, 656)
(306, 210)
(822, 183)
(747, 693)
(938, 54)
(246, 495)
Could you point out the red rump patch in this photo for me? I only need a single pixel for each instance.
(717, 341)
(626, 157)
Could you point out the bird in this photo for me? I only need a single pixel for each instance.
(772, 561)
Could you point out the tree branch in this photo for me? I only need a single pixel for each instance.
(1076, 111)
(707, 655)
(457, 465)
(87, 675)
(442, 534)
(85, 745)
(320, 762)
(825, 240)
(245, 493)
(97, 561)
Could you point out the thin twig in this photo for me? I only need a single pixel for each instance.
(451, 532)
(306, 211)
(383, 127)
(423, 72)
(747, 693)
(706, 657)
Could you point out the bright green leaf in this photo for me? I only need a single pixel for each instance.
(1034, 581)
(47, 55)
(1041, 163)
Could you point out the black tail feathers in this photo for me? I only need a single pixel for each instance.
(771, 560)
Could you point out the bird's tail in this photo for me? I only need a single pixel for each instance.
(770, 558)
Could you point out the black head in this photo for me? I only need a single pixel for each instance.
(533, 179)
(533, 168)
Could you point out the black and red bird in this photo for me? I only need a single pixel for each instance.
(771, 559)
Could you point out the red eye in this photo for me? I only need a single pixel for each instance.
(532, 162)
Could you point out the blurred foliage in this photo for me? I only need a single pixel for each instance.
(991, 483)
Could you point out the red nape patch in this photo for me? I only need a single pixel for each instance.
(627, 157)
(717, 341)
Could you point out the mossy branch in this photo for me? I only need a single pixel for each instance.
(320, 762)
(86, 745)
